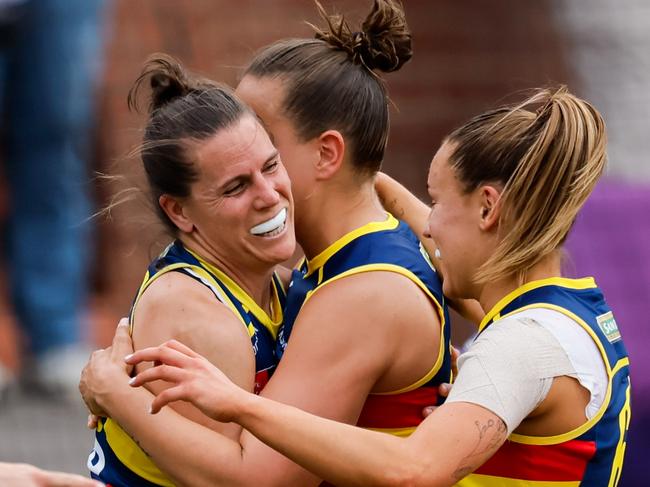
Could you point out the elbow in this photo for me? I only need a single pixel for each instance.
(400, 474)
(411, 473)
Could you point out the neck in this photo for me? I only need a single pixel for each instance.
(334, 211)
(254, 281)
(493, 292)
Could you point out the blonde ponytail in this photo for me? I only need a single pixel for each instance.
(548, 159)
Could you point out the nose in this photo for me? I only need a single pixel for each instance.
(426, 233)
(267, 194)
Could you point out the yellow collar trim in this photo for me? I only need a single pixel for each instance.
(249, 303)
(390, 223)
(584, 283)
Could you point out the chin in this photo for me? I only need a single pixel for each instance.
(451, 291)
(284, 251)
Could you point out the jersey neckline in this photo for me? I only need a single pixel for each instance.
(390, 223)
(271, 322)
(493, 314)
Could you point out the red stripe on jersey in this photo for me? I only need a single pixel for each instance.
(563, 462)
(261, 379)
(397, 410)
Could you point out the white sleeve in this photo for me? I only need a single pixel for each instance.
(509, 369)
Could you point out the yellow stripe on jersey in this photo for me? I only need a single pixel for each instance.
(411, 276)
(476, 480)
(390, 223)
(272, 323)
(623, 423)
(401, 432)
(584, 283)
(132, 456)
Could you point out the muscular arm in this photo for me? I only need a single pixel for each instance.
(451, 443)
(187, 454)
(338, 351)
(206, 326)
(403, 204)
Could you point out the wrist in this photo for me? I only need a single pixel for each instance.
(248, 408)
(116, 389)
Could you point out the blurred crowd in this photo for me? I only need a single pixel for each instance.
(50, 57)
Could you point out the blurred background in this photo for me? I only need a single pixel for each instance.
(66, 67)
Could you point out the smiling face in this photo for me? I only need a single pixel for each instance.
(266, 97)
(241, 206)
(455, 224)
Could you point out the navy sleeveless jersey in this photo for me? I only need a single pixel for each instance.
(116, 459)
(379, 246)
(592, 454)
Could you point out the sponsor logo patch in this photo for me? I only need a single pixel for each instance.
(608, 325)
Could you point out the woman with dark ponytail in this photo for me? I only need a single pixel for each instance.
(366, 319)
(543, 394)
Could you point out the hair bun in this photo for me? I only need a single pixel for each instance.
(167, 79)
(383, 43)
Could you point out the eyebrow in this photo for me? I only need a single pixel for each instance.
(246, 177)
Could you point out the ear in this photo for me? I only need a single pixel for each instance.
(331, 146)
(490, 199)
(175, 210)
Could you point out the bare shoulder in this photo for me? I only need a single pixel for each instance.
(179, 307)
(173, 289)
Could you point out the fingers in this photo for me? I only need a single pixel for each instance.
(167, 373)
(455, 353)
(443, 389)
(176, 345)
(169, 353)
(92, 422)
(428, 410)
(165, 397)
(122, 343)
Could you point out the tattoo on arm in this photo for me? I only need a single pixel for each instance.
(397, 211)
(490, 436)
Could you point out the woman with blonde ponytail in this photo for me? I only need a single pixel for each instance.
(542, 396)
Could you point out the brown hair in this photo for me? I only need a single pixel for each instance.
(330, 81)
(547, 152)
(183, 109)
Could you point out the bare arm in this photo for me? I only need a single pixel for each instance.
(206, 326)
(451, 443)
(24, 475)
(403, 204)
(162, 314)
(338, 351)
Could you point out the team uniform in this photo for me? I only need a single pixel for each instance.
(592, 454)
(116, 459)
(388, 246)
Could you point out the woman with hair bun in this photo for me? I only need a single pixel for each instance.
(543, 394)
(220, 189)
(368, 322)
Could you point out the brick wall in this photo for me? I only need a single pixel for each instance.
(468, 55)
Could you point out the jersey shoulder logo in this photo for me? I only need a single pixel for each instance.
(608, 326)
